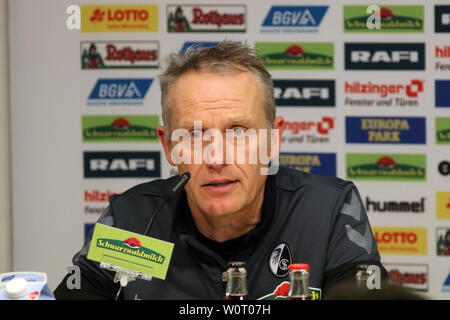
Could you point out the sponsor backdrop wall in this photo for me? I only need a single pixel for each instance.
(368, 105)
(5, 195)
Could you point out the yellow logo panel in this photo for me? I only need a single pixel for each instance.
(401, 241)
(119, 18)
(443, 205)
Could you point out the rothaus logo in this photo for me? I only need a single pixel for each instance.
(119, 91)
(304, 93)
(293, 18)
(385, 56)
(441, 18)
(122, 164)
(395, 206)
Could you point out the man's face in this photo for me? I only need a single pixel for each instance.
(221, 102)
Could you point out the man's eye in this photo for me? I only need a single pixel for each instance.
(197, 134)
(238, 132)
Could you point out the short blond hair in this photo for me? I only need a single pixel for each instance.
(225, 58)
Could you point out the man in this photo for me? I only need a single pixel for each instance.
(231, 210)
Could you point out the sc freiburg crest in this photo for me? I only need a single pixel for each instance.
(280, 259)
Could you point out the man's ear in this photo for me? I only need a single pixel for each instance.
(277, 124)
(163, 137)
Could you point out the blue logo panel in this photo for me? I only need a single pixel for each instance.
(315, 163)
(442, 93)
(393, 130)
(295, 16)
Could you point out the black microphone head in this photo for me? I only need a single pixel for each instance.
(180, 182)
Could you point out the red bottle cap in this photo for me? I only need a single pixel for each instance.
(299, 266)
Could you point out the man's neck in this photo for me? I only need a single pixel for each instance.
(230, 226)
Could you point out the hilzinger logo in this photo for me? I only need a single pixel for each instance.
(402, 95)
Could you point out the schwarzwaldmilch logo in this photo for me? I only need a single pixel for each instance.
(392, 19)
(442, 130)
(394, 167)
(306, 56)
(131, 246)
(280, 259)
(137, 128)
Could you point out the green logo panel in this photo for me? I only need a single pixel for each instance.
(131, 251)
(386, 167)
(400, 18)
(443, 130)
(124, 128)
(298, 56)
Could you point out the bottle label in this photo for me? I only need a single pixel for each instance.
(281, 293)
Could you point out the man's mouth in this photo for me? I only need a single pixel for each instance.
(220, 183)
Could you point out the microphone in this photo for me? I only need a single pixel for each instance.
(169, 193)
(180, 182)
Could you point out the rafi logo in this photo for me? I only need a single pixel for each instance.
(293, 18)
(280, 259)
(441, 19)
(392, 19)
(119, 92)
(443, 241)
(395, 206)
(206, 18)
(304, 93)
(298, 56)
(442, 130)
(443, 205)
(122, 164)
(412, 276)
(315, 163)
(119, 18)
(401, 241)
(403, 94)
(384, 56)
(396, 130)
(442, 93)
(119, 54)
(391, 167)
(310, 132)
(127, 128)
